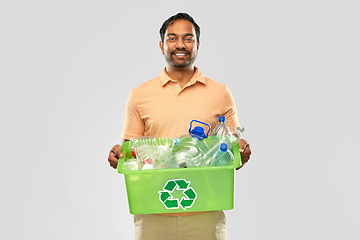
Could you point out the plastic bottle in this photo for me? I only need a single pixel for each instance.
(182, 159)
(221, 131)
(160, 154)
(195, 138)
(148, 164)
(221, 134)
(144, 156)
(131, 165)
(196, 157)
(223, 156)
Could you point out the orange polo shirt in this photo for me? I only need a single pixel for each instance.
(160, 107)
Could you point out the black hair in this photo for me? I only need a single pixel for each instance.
(178, 16)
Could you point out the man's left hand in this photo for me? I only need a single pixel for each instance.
(245, 152)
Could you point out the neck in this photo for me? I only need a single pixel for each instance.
(182, 75)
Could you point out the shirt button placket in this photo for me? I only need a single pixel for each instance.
(177, 86)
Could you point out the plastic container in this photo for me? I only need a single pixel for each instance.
(179, 189)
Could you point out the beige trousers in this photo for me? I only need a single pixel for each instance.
(207, 226)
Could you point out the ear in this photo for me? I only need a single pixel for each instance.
(198, 45)
(161, 45)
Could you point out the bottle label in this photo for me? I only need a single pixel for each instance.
(148, 161)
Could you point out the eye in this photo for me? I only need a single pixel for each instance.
(171, 39)
(189, 39)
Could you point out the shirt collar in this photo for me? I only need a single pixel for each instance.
(197, 77)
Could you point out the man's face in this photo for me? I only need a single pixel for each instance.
(180, 45)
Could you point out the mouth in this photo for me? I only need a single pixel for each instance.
(180, 54)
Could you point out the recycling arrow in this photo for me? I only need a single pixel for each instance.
(169, 202)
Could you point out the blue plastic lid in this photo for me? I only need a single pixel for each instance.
(221, 118)
(198, 132)
(223, 147)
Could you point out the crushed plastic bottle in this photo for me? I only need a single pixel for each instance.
(131, 165)
(182, 159)
(144, 156)
(160, 154)
(194, 140)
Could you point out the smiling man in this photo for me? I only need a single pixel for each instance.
(179, 45)
(164, 106)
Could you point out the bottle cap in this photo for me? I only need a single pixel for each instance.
(223, 147)
(182, 165)
(193, 150)
(176, 141)
(198, 132)
(222, 119)
(162, 149)
(148, 167)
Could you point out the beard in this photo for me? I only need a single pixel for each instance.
(172, 62)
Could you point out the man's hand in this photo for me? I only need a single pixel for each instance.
(245, 152)
(114, 155)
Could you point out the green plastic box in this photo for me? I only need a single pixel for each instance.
(179, 189)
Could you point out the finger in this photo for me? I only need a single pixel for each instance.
(113, 161)
(244, 148)
(116, 152)
(243, 145)
(114, 155)
(113, 165)
(245, 153)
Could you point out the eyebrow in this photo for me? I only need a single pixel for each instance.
(187, 34)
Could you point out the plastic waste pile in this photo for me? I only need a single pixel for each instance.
(186, 151)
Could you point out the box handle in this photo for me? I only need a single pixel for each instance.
(126, 151)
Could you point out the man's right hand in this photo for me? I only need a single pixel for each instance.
(114, 155)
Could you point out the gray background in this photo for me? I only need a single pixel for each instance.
(67, 67)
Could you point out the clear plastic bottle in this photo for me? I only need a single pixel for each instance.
(182, 159)
(221, 134)
(223, 156)
(222, 131)
(178, 160)
(160, 155)
(131, 165)
(196, 157)
(144, 155)
(195, 139)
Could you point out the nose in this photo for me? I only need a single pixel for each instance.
(180, 44)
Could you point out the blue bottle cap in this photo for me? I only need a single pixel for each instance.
(221, 118)
(223, 147)
(198, 132)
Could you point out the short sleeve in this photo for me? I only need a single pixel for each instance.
(133, 124)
